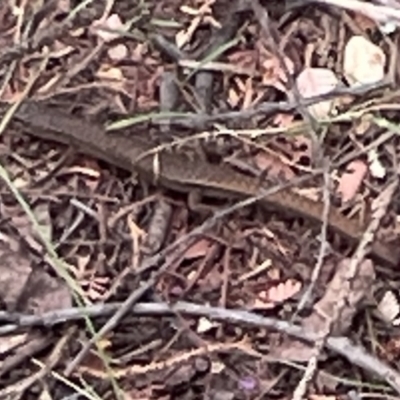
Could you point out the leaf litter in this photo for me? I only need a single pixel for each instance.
(107, 63)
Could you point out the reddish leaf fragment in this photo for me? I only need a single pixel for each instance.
(351, 180)
(198, 249)
(284, 291)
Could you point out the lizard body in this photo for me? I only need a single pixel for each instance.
(179, 172)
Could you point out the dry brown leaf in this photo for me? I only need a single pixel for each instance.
(274, 166)
(23, 225)
(283, 291)
(44, 293)
(260, 302)
(275, 295)
(273, 73)
(15, 268)
(338, 288)
(364, 62)
(198, 249)
(351, 180)
(314, 82)
(244, 59)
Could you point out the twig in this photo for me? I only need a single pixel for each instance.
(265, 23)
(382, 14)
(268, 108)
(357, 355)
(324, 244)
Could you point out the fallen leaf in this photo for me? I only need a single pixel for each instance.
(260, 302)
(268, 299)
(44, 293)
(26, 229)
(351, 180)
(275, 167)
(283, 291)
(118, 52)
(244, 59)
(389, 307)
(15, 268)
(364, 62)
(321, 317)
(313, 82)
(273, 73)
(338, 288)
(103, 28)
(198, 249)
